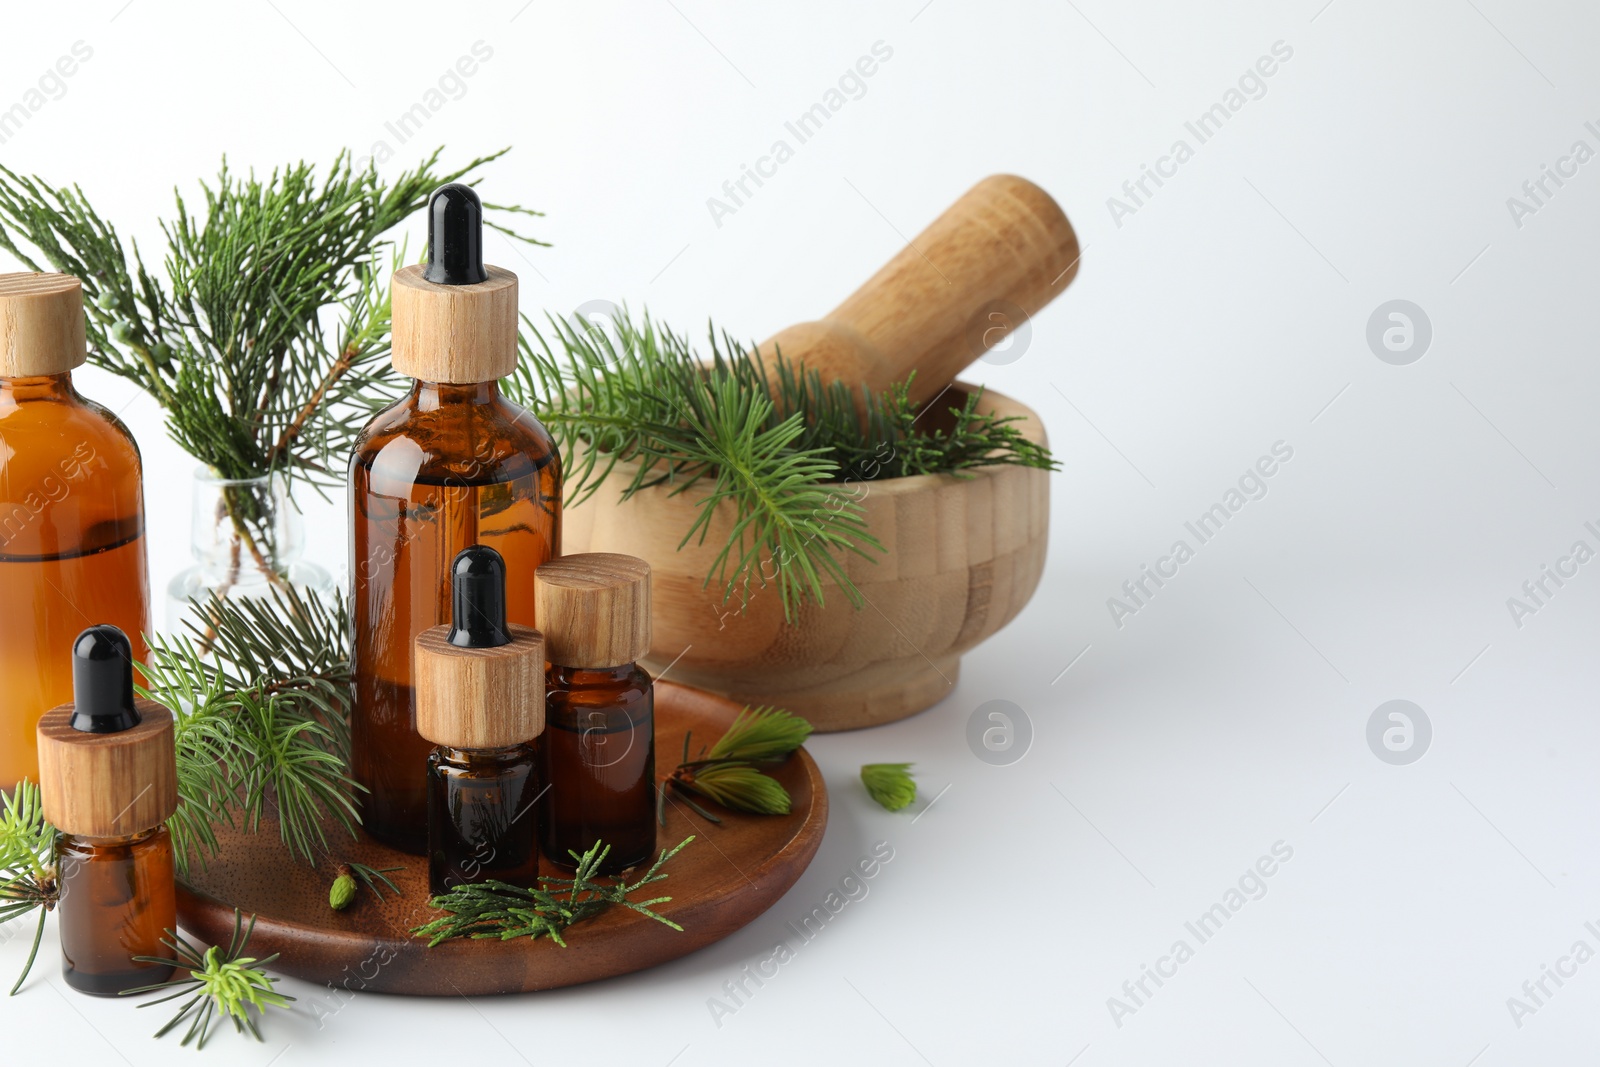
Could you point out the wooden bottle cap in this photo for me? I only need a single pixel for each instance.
(594, 608)
(479, 697)
(41, 325)
(108, 785)
(455, 334)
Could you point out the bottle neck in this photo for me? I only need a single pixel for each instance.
(431, 396)
(483, 758)
(58, 387)
(586, 677)
(117, 841)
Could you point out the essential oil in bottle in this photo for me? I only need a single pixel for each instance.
(600, 742)
(451, 464)
(109, 782)
(71, 511)
(480, 699)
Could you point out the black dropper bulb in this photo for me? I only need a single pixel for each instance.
(478, 584)
(102, 682)
(455, 237)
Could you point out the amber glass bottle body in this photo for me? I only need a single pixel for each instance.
(600, 761)
(71, 549)
(445, 467)
(484, 810)
(117, 902)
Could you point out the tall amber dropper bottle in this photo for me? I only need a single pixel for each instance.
(451, 464)
(109, 782)
(71, 512)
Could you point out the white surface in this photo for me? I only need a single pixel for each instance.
(1221, 317)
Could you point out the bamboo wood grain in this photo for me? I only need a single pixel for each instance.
(733, 873)
(594, 608)
(478, 698)
(994, 258)
(108, 785)
(41, 324)
(455, 334)
(964, 556)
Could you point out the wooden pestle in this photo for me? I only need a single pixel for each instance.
(996, 256)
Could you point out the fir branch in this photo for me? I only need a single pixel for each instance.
(890, 784)
(764, 435)
(640, 395)
(234, 341)
(262, 724)
(502, 911)
(220, 985)
(27, 864)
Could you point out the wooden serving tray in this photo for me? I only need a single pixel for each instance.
(730, 874)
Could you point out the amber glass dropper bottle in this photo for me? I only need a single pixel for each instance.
(109, 782)
(451, 464)
(600, 746)
(480, 698)
(71, 511)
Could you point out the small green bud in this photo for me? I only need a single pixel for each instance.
(890, 784)
(122, 333)
(107, 300)
(343, 892)
(161, 354)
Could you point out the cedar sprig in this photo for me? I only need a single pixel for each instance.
(499, 910)
(27, 864)
(220, 985)
(890, 784)
(725, 772)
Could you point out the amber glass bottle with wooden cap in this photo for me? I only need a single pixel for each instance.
(109, 782)
(452, 464)
(600, 742)
(480, 699)
(71, 511)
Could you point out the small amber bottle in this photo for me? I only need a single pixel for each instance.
(71, 511)
(109, 782)
(451, 464)
(480, 699)
(600, 742)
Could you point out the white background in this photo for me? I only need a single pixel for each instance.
(1227, 313)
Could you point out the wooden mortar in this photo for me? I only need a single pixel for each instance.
(964, 555)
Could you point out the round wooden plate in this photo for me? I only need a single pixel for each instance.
(730, 874)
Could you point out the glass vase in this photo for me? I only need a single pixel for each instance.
(246, 537)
